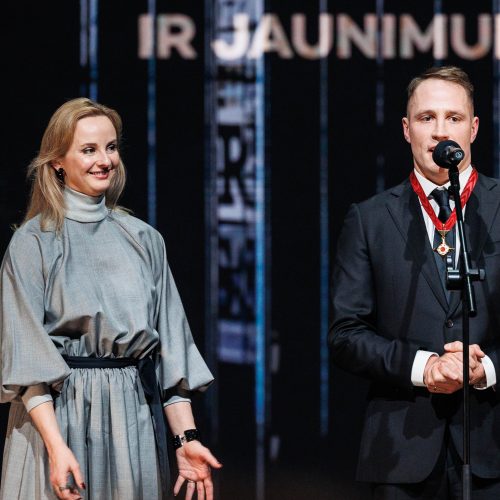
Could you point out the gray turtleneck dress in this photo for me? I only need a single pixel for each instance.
(102, 288)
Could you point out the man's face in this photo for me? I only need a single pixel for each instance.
(439, 111)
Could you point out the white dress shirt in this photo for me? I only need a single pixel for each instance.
(421, 358)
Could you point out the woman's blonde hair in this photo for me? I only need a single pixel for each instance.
(47, 197)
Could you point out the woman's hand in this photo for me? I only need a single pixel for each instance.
(63, 469)
(65, 475)
(194, 461)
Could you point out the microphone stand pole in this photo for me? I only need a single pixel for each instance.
(461, 279)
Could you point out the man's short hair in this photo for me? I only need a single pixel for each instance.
(451, 74)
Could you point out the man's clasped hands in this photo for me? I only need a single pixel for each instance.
(444, 374)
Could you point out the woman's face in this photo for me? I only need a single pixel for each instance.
(92, 157)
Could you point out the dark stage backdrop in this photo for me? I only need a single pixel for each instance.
(249, 128)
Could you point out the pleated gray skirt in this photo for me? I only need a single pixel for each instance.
(106, 421)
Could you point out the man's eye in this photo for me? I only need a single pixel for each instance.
(426, 118)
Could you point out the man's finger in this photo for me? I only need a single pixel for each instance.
(455, 346)
(455, 357)
(475, 350)
(450, 363)
(443, 372)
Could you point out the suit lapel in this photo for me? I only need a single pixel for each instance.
(406, 213)
(480, 213)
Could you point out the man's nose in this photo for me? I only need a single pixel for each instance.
(440, 132)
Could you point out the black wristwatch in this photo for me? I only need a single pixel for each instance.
(189, 435)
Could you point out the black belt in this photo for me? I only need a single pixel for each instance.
(147, 375)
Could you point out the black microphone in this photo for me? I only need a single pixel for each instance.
(448, 154)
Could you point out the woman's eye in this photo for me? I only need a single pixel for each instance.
(88, 151)
(112, 147)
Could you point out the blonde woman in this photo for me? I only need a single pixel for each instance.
(95, 345)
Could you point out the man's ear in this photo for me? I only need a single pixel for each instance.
(474, 129)
(406, 129)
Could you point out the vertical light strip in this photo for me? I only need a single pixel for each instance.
(238, 201)
(84, 38)
(496, 97)
(380, 100)
(211, 223)
(94, 49)
(84, 49)
(324, 257)
(438, 9)
(151, 117)
(260, 267)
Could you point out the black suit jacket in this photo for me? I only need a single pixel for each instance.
(388, 302)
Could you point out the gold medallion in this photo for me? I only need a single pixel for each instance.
(443, 248)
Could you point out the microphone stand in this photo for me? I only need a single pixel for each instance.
(461, 279)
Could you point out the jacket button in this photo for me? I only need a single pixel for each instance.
(449, 323)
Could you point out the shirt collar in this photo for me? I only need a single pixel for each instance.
(428, 186)
(83, 208)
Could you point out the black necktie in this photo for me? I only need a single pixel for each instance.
(442, 198)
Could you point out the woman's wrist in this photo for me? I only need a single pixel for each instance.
(55, 445)
(186, 437)
(180, 417)
(44, 418)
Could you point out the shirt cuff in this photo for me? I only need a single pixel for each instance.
(418, 368)
(491, 375)
(176, 399)
(35, 395)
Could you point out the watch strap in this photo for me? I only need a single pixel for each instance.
(189, 435)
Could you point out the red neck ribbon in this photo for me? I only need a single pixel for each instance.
(464, 197)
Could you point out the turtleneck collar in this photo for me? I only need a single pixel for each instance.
(83, 208)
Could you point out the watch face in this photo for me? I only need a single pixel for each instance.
(191, 434)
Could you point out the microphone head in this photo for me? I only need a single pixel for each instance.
(447, 154)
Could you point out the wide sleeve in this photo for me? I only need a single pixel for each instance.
(30, 361)
(180, 367)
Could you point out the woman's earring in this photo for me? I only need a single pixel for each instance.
(60, 175)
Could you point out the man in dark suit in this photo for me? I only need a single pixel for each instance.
(396, 324)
